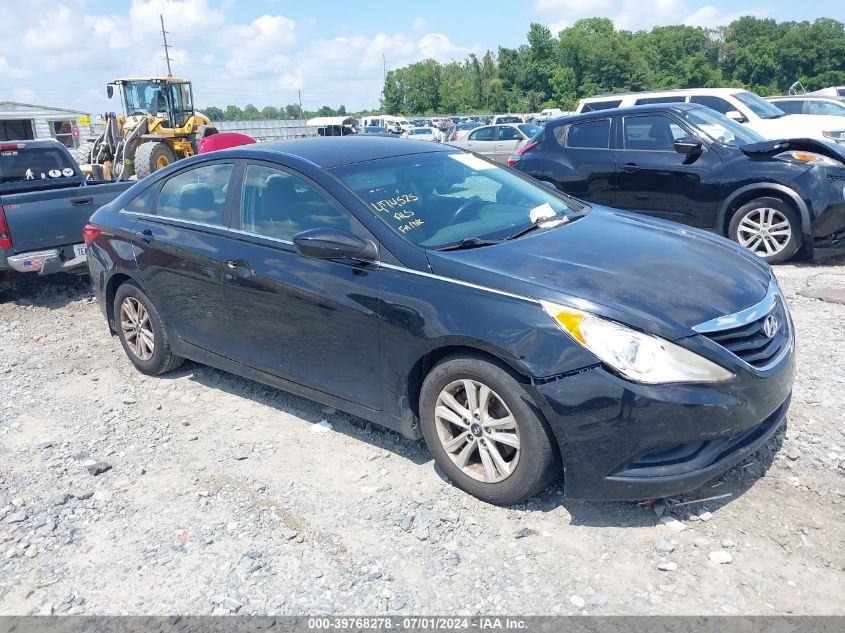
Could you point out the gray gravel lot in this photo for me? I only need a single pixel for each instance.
(201, 492)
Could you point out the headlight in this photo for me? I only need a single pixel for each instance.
(638, 356)
(810, 158)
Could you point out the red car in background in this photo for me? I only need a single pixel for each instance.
(223, 140)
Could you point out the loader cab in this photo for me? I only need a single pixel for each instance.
(168, 99)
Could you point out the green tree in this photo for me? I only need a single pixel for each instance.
(251, 113)
(232, 113)
(213, 113)
(270, 113)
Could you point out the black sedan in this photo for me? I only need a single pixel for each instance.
(690, 164)
(517, 330)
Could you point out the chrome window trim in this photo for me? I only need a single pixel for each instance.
(260, 236)
(155, 216)
(743, 317)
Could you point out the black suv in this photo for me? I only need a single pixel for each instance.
(690, 164)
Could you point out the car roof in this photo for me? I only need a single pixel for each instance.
(811, 97)
(640, 109)
(663, 93)
(334, 151)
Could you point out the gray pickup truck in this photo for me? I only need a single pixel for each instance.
(45, 202)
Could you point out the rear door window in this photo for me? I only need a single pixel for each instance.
(196, 195)
(483, 134)
(714, 103)
(589, 135)
(601, 105)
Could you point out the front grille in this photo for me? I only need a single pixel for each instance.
(750, 341)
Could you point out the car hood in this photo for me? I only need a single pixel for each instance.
(831, 150)
(656, 276)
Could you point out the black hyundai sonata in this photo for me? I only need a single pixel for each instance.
(519, 331)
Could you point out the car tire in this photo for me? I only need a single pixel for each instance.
(521, 464)
(750, 226)
(145, 339)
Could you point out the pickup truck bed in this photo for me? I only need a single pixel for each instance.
(44, 204)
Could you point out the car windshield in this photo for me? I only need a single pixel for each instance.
(530, 130)
(509, 119)
(467, 126)
(720, 128)
(442, 198)
(759, 106)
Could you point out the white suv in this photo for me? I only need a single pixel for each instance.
(740, 105)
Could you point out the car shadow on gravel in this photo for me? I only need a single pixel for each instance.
(305, 409)
(52, 291)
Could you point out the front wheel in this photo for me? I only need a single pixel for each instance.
(482, 431)
(142, 334)
(768, 227)
(152, 156)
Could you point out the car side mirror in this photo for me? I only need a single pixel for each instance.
(332, 243)
(736, 115)
(110, 90)
(688, 145)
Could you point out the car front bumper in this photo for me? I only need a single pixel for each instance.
(622, 440)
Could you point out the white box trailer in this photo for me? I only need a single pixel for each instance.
(26, 122)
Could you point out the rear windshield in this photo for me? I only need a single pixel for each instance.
(420, 131)
(509, 119)
(35, 163)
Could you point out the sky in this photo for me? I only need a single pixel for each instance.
(63, 52)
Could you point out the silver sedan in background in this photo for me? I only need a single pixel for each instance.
(497, 141)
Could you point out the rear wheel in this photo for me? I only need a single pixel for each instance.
(142, 334)
(482, 431)
(152, 156)
(768, 227)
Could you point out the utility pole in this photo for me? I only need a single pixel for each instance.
(166, 53)
(299, 92)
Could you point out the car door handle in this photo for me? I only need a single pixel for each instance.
(146, 235)
(630, 167)
(79, 202)
(239, 268)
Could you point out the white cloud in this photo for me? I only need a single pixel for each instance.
(710, 16)
(438, 46)
(636, 14)
(68, 50)
(7, 70)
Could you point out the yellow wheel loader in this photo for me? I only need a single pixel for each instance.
(158, 126)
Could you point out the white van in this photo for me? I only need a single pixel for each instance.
(394, 124)
(740, 105)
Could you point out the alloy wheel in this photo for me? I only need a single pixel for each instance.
(765, 231)
(477, 430)
(137, 329)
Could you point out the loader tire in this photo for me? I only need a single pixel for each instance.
(152, 156)
(82, 154)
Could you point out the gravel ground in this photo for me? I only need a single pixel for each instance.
(201, 492)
